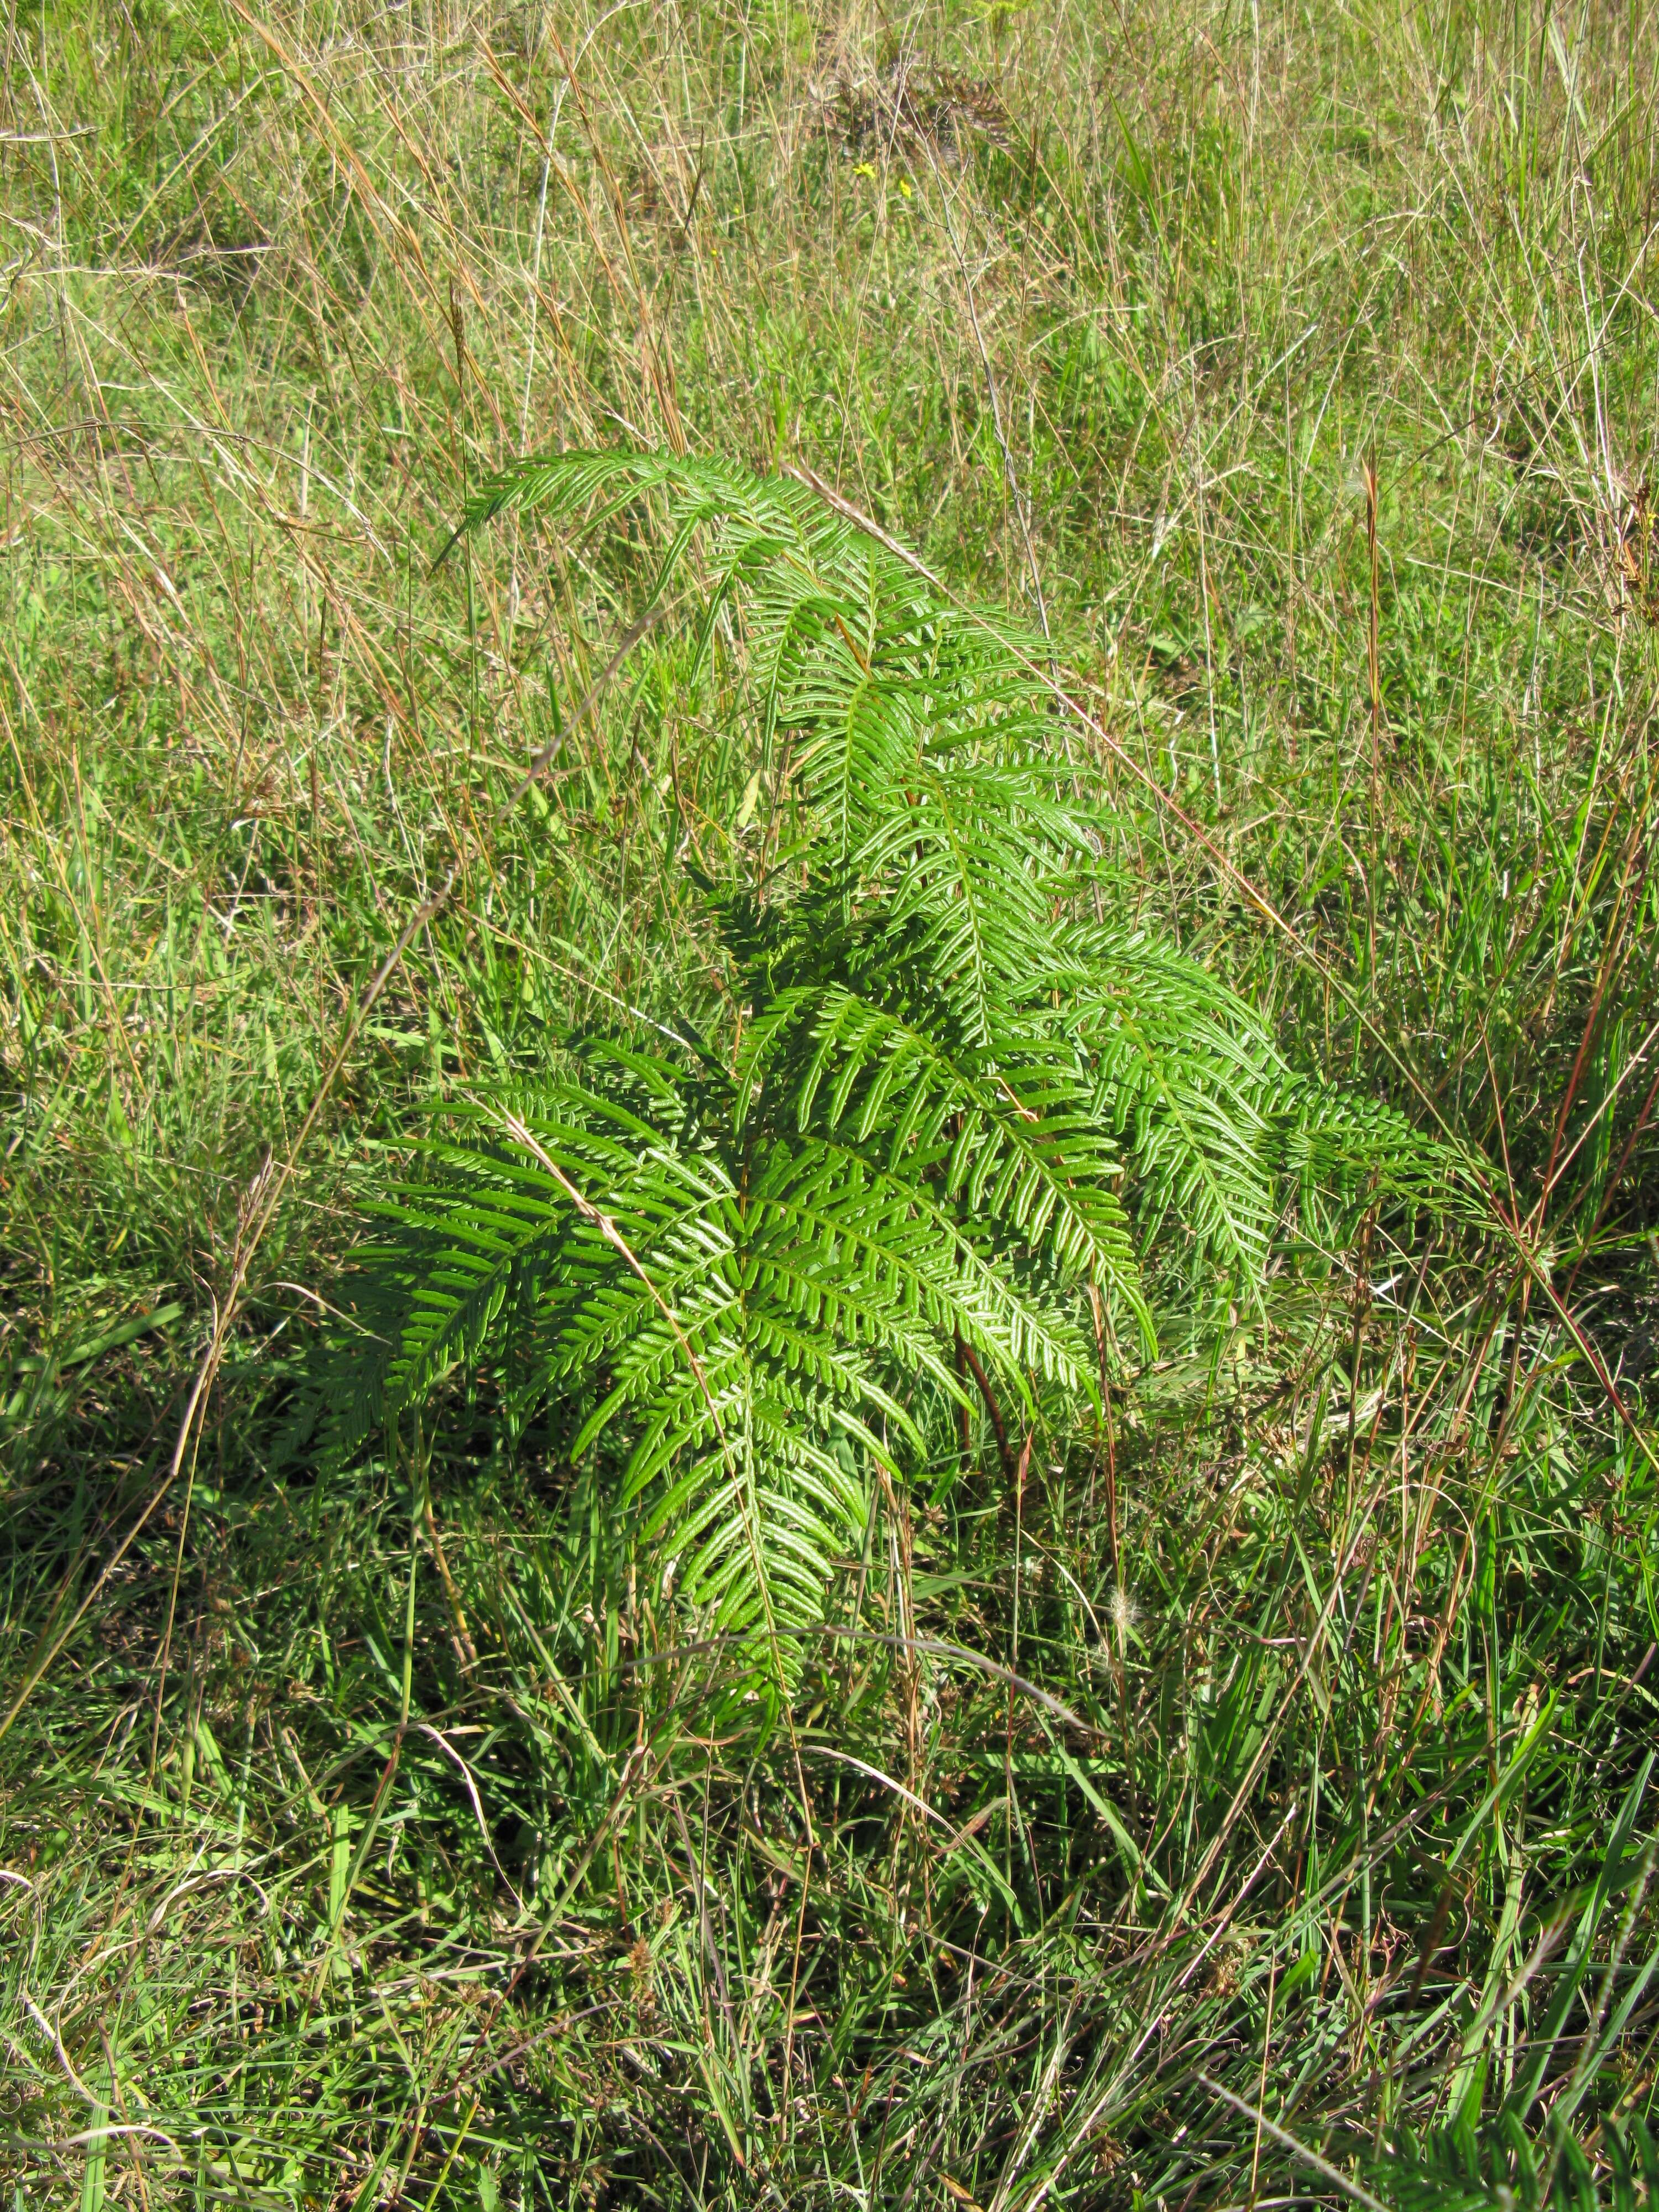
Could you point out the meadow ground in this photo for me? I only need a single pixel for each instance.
(1294, 370)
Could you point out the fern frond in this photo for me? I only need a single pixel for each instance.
(959, 1109)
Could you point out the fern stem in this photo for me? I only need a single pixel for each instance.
(999, 1426)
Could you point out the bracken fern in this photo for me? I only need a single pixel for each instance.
(961, 1134)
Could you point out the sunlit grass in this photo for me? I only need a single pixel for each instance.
(375, 1830)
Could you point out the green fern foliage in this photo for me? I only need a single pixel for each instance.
(960, 1133)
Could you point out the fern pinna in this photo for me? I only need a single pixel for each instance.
(961, 1132)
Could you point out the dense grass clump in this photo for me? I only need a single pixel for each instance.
(830, 1059)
